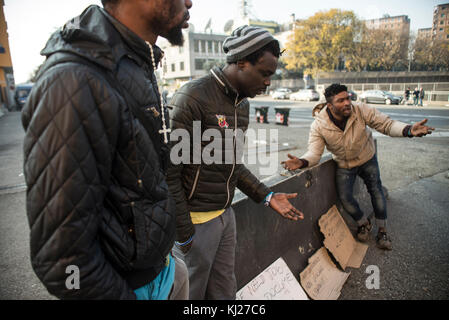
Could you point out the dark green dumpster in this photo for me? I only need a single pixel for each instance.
(262, 114)
(282, 115)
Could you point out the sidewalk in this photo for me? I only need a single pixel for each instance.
(418, 265)
(418, 209)
(11, 153)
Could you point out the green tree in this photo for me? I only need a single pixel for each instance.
(430, 55)
(323, 42)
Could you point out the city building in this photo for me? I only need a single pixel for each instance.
(424, 33)
(440, 29)
(200, 52)
(246, 18)
(397, 25)
(287, 31)
(6, 71)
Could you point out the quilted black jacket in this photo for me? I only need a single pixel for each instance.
(210, 186)
(97, 197)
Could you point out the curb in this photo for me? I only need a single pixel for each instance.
(13, 189)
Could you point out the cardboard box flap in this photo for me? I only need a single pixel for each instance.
(276, 282)
(339, 240)
(355, 261)
(321, 279)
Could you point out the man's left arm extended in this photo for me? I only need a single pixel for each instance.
(393, 128)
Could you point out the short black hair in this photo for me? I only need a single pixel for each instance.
(333, 90)
(272, 47)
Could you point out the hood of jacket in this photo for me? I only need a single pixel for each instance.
(97, 36)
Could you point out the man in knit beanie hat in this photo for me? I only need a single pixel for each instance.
(206, 227)
(244, 41)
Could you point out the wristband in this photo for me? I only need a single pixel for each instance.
(182, 244)
(268, 199)
(409, 133)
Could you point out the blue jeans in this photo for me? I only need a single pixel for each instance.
(369, 172)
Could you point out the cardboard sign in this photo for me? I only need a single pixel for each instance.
(339, 240)
(321, 278)
(276, 282)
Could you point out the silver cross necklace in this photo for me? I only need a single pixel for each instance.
(164, 130)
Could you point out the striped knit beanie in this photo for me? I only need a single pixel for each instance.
(244, 41)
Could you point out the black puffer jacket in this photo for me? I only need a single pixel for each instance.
(208, 187)
(97, 196)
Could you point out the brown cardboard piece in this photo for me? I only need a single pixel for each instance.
(321, 279)
(339, 240)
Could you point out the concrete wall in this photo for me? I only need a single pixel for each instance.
(263, 235)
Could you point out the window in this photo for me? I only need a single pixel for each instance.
(441, 22)
(202, 46)
(181, 65)
(209, 46)
(199, 64)
(196, 45)
(181, 49)
(173, 67)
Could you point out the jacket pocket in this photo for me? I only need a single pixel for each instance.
(154, 225)
(117, 241)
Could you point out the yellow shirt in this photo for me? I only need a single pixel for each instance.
(202, 217)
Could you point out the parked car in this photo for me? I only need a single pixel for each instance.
(379, 96)
(352, 95)
(305, 95)
(281, 93)
(21, 94)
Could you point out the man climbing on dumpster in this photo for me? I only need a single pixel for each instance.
(341, 127)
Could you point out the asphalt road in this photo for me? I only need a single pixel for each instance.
(301, 112)
(415, 171)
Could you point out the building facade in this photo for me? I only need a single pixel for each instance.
(440, 28)
(397, 25)
(424, 33)
(200, 52)
(6, 71)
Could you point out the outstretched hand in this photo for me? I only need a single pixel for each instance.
(293, 163)
(279, 202)
(419, 129)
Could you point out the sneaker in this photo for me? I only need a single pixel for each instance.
(383, 241)
(363, 231)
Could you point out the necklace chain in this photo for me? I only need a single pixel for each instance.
(164, 130)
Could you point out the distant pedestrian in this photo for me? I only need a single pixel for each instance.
(421, 96)
(415, 96)
(406, 95)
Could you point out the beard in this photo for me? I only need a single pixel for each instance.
(175, 36)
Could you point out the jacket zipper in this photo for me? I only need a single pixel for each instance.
(195, 182)
(233, 151)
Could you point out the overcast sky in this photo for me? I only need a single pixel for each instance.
(31, 22)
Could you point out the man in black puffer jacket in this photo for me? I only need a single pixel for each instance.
(204, 189)
(97, 202)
